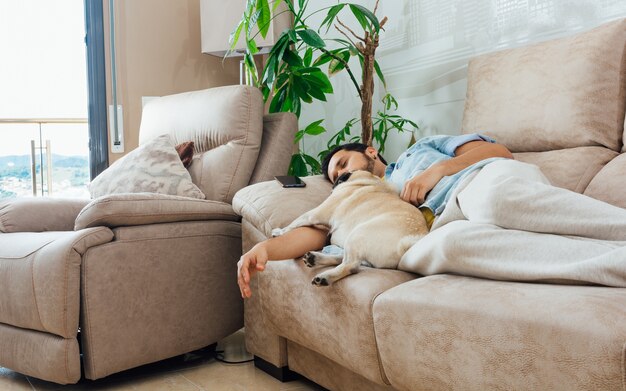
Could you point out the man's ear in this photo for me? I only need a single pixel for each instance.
(372, 152)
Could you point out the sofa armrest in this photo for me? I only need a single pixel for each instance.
(129, 209)
(268, 205)
(39, 214)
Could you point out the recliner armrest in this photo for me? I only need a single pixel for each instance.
(129, 209)
(268, 205)
(39, 214)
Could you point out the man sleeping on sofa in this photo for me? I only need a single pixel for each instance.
(490, 217)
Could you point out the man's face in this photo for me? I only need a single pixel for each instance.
(348, 161)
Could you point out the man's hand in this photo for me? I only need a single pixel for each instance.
(249, 263)
(416, 188)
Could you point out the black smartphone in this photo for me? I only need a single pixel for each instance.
(290, 181)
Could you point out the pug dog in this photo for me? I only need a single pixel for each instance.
(366, 217)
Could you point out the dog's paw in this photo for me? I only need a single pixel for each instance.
(309, 259)
(277, 232)
(320, 281)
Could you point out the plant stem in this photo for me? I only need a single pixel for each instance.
(367, 90)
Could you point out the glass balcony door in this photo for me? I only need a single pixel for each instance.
(44, 134)
(44, 157)
(16, 179)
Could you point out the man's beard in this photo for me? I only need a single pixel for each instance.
(370, 164)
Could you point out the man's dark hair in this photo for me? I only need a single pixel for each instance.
(358, 147)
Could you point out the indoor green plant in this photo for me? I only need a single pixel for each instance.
(293, 70)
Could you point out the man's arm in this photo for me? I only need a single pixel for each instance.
(293, 244)
(416, 188)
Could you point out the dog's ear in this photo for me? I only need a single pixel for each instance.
(342, 178)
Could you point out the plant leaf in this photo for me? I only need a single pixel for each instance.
(276, 4)
(299, 135)
(314, 128)
(278, 99)
(292, 35)
(308, 57)
(252, 48)
(294, 103)
(263, 22)
(380, 74)
(365, 13)
(330, 16)
(358, 14)
(316, 167)
(336, 65)
(316, 93)
(301, 88)
(320, 79)
(253, 21)
(292, 58)
(234, 36)
(297, 166)
(323, 59)
(311, 38)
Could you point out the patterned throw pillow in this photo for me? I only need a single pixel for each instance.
(154, 167)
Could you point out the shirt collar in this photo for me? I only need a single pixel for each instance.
(389, 170)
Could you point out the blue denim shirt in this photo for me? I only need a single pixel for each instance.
(425, 153)
(418, 158)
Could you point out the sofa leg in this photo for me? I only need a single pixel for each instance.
(283, 374)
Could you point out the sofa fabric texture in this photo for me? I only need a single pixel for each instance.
(150, 208)
(41, 281)
(145, 276)
(38, 214)
(226, 126)
(563, 93)
(559, 105)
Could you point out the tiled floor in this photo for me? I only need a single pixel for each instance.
(191, 372)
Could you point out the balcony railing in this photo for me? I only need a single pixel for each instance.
(41, 149)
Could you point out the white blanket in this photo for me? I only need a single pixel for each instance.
(508, 223)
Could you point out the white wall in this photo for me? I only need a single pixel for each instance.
(427, 44)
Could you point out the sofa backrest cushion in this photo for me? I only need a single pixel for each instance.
(608, 185)
(226, 126)
(563, 93)
(571, 168)
(279, 130)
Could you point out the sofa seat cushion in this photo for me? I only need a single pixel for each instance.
(40, 278)
(335, 321)
(453, 332)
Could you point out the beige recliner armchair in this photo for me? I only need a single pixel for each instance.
(143, 276)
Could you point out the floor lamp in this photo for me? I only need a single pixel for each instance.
(219, 18)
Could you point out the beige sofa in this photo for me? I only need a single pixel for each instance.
(558, 104)
(144, 276)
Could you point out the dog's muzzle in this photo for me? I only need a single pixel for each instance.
(342, 178)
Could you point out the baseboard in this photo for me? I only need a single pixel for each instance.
(284, 374)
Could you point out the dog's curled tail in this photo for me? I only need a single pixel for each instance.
(407, 242)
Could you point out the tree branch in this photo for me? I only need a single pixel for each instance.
(347, 36)
(382, 22)
(348, 28)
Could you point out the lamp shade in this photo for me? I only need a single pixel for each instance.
(219, 18)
